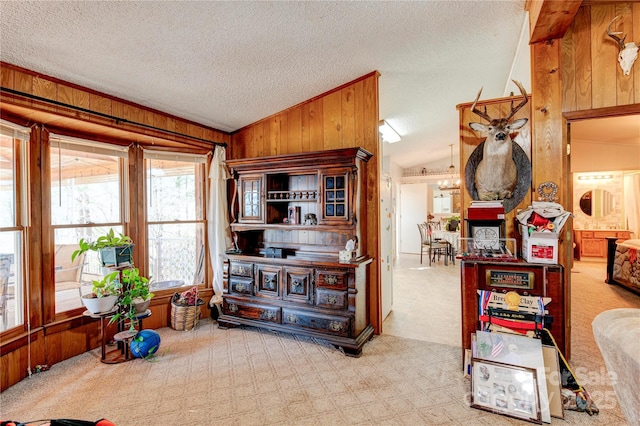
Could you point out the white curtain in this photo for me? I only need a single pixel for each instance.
(632, 203)
(217, 215)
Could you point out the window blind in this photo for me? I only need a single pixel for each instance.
(84, 145)
(14, 131)
(175, 156)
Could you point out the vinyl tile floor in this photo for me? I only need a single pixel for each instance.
(425, 301)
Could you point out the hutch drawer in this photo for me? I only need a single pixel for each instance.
(241, 285)
(331, 298)
(335, 279)
(252, 311)
(241, 269)
(314, 321)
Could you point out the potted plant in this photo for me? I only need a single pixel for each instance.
(104, 294)
(114, 250)
(135, 297)
(452, 223)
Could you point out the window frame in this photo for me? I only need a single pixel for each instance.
(201, 188)
(22, 138)
(59, 141)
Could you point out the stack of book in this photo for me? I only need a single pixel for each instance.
(485, 210)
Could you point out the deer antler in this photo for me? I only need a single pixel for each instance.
(521, 104)
(477, 111)
(614, 36)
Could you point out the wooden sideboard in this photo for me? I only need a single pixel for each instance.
(593, 242)
(548, 281)
(290, 216)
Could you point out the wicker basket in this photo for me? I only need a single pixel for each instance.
(184, 317)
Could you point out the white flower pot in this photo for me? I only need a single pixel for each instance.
(141, 305)
(97, 305)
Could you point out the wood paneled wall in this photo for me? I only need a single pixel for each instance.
(591, 75)
(344, 117)
(77, 123)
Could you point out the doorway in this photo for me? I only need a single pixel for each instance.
(604, 151)
(413, 210)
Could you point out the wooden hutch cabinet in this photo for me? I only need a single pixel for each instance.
(290, 216)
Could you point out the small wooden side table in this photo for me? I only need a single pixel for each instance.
(122, 353)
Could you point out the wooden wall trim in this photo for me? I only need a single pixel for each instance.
(72, 108)
(632, 109)
(10, 345)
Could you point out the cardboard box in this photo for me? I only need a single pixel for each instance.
(540, 247)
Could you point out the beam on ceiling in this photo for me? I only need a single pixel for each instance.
(550, 19)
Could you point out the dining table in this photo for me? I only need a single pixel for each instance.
(452, 237)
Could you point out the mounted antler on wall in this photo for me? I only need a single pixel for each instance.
(496, 175)
(628, 51)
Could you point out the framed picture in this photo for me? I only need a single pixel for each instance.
(505, 389)
(294, 215)
(554, 382)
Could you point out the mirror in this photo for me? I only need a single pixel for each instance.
(597, 203)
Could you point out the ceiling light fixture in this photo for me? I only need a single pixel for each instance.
(388, 133)
(595, 177)
(455, 185)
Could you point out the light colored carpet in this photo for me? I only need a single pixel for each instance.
(254, 377)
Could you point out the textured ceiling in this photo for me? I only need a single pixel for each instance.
(228, 64)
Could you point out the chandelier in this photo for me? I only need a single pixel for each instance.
(453, 185)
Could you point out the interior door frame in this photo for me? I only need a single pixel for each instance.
(573, 116)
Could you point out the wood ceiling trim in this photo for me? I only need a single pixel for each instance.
(71, 122)
(550, 19)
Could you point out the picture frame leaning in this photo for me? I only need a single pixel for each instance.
(505, 389)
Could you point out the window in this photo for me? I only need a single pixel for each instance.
(175, 217)
(88, 193)
(13, 222)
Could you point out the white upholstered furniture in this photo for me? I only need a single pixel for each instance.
(617, 333)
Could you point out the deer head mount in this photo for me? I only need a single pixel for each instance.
(628, 51)
(496, 175)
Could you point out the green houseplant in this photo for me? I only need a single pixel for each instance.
(104, 294)
(135, 297)
(114, 249)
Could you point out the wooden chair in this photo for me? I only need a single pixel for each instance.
(432, 248)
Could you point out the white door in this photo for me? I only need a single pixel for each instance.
(413, 210)
(387, 220)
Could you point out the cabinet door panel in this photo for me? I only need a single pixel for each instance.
(594, 247)
(297, 284)
(336, 193)
(251, 199)
(268, 281)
